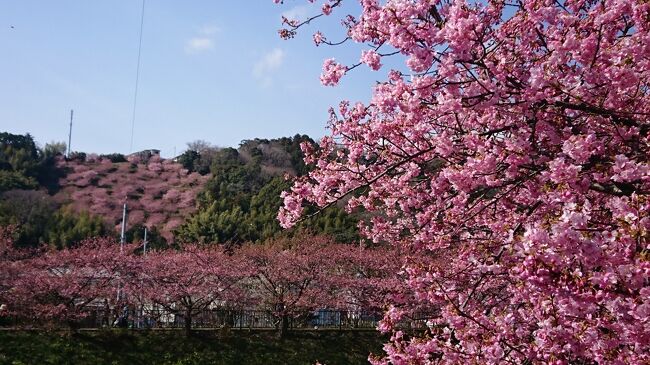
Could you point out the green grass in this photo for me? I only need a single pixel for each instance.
(171, 347)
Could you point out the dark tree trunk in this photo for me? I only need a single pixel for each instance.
(73, 326)
(188, 323)
(230, 319)
(284, 326)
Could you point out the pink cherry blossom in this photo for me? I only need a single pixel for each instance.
(318, 38)
(508, 161)
(372, 59)
(332, 72)
(327, 9)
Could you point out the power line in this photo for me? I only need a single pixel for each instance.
(137, 78)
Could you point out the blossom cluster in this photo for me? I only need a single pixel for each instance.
(513, 157)
(332, 72)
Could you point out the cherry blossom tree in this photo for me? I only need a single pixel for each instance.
(365, 278)
(290, 276)
(9, 266)
(511, 148)
(63, 286)
(186, 282)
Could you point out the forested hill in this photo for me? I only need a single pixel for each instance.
(205, 195)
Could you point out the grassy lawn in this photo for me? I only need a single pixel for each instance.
(171, 347)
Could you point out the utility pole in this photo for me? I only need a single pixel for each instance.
(67, 150)
(122, 238)
(145, 241)
(144, 250)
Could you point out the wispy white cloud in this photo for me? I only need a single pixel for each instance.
(203, 41)
(267, 64)
(199, 44)
(300, 12)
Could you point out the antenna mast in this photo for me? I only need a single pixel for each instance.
(67, 150)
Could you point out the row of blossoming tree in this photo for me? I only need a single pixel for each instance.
(510, 143)
(285, 278)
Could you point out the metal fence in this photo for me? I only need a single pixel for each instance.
(246, 319)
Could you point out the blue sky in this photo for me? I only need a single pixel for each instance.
(212, 70)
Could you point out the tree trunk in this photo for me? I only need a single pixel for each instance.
(230, 318)
(284, 326)
(188, 323)
(73, 326)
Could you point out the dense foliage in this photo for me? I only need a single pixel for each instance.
(205, 348)
(511, 157)
(40, 219)
(241, 199)
(24, 166)
(67, 227)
